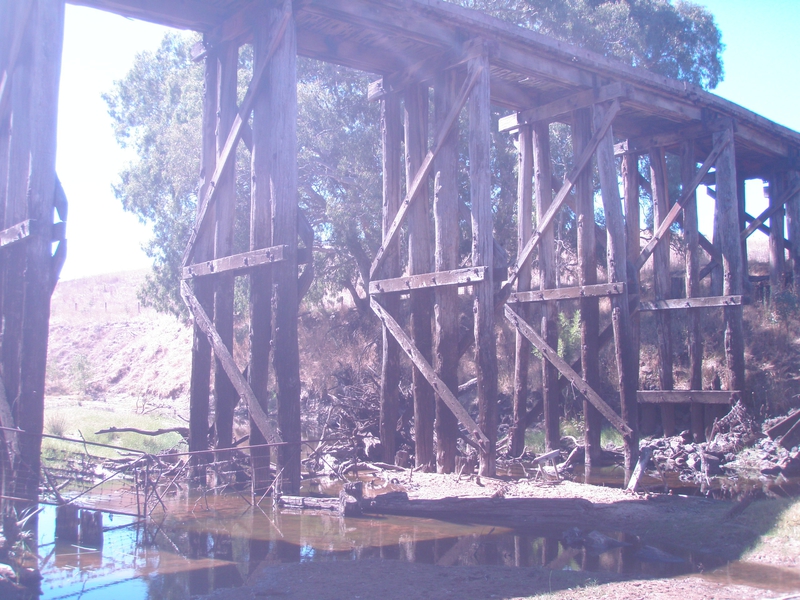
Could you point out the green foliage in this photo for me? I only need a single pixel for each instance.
(81, 373)
(569, 335)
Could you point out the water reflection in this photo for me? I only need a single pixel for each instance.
(223, 542)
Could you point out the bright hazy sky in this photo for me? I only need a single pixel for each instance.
(99, 48)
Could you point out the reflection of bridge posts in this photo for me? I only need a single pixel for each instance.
(198, 578)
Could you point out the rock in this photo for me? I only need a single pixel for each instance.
(597, 543)
(651, 554)
(572, 537)
(686, 436)
(6, 572)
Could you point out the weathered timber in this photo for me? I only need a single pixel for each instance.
(587, 277)
(777, 261)
(543, 192)
(18, 26)
(679, 303)
(627, 363)
(723, 140)
(8, 437)
(641, 465)
(598, 290)
(419, 261)
(224, 213)
(309, 503)
(521, 510)
(784, 425)
(425, 368)
(791, 439)
(522, 345)
(200, 377)
(757, 222)
(15, 233)
(202, 320)
(391, 138)
(692, 283)
(567, 372)
(260, 304)
(480, 177)
(687, 396)
(455, 277)
(281, 90)
(561, 107)
(446, 309)
(741, 202)
(547, 218)
(793, 221)
(423, 172)
(228, 152)
(731, 250)
(662, 281)
(48, 32)
(236, 263)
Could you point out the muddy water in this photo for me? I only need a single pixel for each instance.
(221, 541)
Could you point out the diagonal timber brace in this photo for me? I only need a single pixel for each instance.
(231, 370)
(422, 174)
(687, 195)
(560, 364)
(427, 371)
(769, 211)
(228, 152)
(560, 198)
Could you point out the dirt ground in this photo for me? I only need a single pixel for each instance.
(762, 544)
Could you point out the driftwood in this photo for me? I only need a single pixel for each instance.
(183, 431)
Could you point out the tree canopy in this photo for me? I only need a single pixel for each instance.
(156, 111)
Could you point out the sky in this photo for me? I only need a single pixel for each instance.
(762, 44)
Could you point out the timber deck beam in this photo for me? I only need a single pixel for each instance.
(236, 263)
(599, 290)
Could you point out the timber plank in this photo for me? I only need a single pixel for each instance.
(238, 380)
(459, 277)
(235, 263)
(570, 293)
(700, 302)
(567, 371)
(687, 396)
(425, 368)
(16, 233)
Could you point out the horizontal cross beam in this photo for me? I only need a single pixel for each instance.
(459, 277)
(229, 365)
(567, 371)
(570, 293)
(687, 396)
(700, 302)
(236, 263)
(16, 233)
(552, 110)
(424, 170)
(439, 386)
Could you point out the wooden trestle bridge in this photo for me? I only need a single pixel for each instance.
(472, 62)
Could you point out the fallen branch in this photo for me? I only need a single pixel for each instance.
(183, 431)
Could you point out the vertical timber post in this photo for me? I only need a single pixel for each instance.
(280, 88)
(741, 197)
(543, 169)
(524, 231)
(482, 256)
(225, 212)
(587, 275)
(446, 311)
(419, 261)
(731, 249)
(692, 238)
(261, 280)
(48, 25)
(793, 218)
(777, 263)
(617, 272)
(391, 129)
(662, 283)
(200, 379)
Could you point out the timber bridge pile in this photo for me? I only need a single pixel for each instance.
(615, 113)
